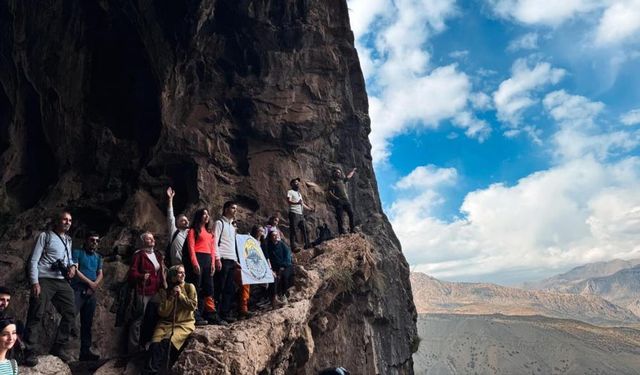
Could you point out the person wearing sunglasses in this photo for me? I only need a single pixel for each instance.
(85, 284)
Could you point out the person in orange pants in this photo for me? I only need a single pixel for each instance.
(244, 291)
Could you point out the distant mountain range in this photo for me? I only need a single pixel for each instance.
(617, 281)
(435, 296)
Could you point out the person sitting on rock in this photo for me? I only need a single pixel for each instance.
(147, 275)
(203, 264)
(178, 229)
(8, 338)
(280, 258)
(339, 198)
(51, 263)
(296, 215)
(272, 225)
(85, 285)
(176, 311)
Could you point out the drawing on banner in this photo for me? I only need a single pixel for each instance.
(255, 269)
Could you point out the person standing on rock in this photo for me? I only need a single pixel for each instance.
(339, 198)
(280, 258)
(177, 304)
(146, 274)
(296, 215)
(227, 254)
(203, 264)
(85, 284)
(178, 229)
(50, 267)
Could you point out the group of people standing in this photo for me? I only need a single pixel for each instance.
(196, 281)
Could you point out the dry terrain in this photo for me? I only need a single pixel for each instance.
(435, 296)
(498, 344)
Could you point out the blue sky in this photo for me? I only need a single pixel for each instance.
(505, 133)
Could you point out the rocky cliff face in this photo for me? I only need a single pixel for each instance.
(103, 104)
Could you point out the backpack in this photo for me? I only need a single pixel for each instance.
(324, 234)
(167, 256)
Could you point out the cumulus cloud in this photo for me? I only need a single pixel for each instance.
(566, 215)
(578, 134)
(631, 118)
(427, 177)
(542, 12)
(619, 22)
(515, 94)
(405, 91)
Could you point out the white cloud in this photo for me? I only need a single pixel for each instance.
(459, 54)
(631, 118)
(480, 101)
(578, 133)
(526, 41)
(543, 12)
(619, 22)
(427, 177)
(405, 92)
(567, 215)
(514, 95)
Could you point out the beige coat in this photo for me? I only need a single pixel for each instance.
(185, 321)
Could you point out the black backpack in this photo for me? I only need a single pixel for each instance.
(324, 234)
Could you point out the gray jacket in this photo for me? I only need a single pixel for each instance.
(49, 248)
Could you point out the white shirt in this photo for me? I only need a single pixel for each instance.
(225, 239)
(295, 196)
(152, 257)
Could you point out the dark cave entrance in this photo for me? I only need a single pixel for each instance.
(40, 167)
(124, 93)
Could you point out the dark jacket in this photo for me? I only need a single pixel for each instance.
(279, 255)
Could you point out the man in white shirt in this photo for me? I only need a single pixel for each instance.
(224, 283)
(178, 229)
(296, 216)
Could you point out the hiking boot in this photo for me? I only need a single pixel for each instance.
(89, 357)
(245, 314)
(215, 320)
(30, 359)
(62, 354)
(229, 319)
(201, 322)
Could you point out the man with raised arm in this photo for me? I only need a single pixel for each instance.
(340, 199)
(178, 229)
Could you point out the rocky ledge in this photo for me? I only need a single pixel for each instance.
(329, 321)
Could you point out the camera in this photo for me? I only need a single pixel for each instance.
(59, 266)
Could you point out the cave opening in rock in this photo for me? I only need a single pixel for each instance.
(40, 169)
(124, 93)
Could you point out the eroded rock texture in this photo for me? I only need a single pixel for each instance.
(105, 103)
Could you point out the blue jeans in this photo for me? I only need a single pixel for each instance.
(86, 307)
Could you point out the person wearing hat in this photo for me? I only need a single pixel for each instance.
(296, 216)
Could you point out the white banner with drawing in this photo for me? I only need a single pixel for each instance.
(255, 269)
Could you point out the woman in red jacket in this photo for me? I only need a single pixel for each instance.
(147, 274)
(202, 254)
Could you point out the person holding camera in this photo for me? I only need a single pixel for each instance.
(85, 285)
(50, 267)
